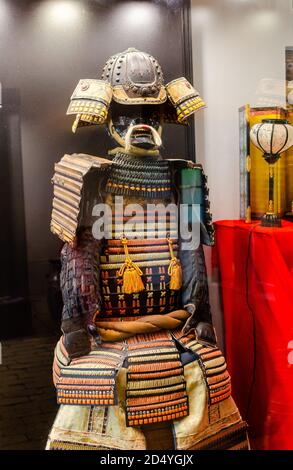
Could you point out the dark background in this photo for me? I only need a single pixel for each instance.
(45, 48)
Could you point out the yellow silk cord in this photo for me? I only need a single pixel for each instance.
(131, 273)
(174, 270)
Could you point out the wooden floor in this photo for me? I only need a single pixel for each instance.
(27, 396)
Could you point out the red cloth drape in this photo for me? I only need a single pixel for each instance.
(256, 271)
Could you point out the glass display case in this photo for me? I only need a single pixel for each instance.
(161, 338)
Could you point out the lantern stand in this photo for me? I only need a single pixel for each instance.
(265, 137)
(270, 218)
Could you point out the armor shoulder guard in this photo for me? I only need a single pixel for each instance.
(184, 98)
(207, 232)
(193, 188)
(72, 179)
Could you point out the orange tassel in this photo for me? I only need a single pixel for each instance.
(174, 270)
(131, 273)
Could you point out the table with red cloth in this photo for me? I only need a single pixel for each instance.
(256, 272)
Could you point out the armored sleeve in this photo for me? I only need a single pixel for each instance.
(80, 278)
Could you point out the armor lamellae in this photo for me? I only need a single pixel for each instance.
(138, 345)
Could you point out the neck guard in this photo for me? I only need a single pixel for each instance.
(145, 176)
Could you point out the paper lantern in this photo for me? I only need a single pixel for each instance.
(272, 136)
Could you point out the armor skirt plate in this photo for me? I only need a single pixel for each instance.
(196, 402)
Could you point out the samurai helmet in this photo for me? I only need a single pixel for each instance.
(129, 79)
(136, 78)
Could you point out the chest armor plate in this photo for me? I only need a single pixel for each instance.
(153, 257)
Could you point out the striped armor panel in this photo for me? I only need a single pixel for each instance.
(69, 192)
(152, 256)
